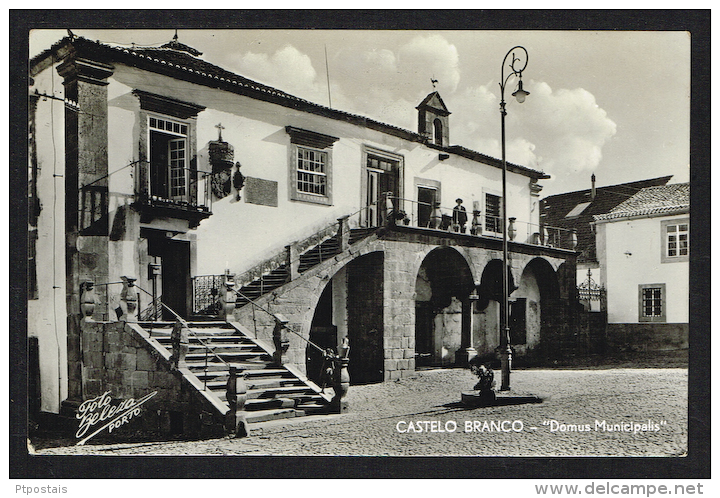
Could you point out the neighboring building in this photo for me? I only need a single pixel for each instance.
(151, 163)
(643, 246)
(576, 211)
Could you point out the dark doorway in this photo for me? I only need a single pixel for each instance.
(383, 179)
(174, 256)
(426, 200)
(323, 334)
(518, 330)
(424, 336)
(365, 318)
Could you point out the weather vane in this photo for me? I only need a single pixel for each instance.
(434, 82)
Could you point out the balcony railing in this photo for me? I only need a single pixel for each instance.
(412, 213)
(189, 198)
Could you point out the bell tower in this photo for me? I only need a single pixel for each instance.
(434, 119)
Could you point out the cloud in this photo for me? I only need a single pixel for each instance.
(560, 132)
(287, 69)
(387, 84)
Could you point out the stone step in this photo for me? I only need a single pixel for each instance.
(277, 414)
(199, 366)
(314, 408)
(253, 405)
(257, 383)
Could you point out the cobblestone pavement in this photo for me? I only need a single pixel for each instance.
(652, 401)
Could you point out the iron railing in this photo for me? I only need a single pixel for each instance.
(152, 186)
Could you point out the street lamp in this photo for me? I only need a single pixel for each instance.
(519, 94)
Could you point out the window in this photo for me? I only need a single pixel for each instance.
(310, 173)
(676, 240)
(651, 302)
(493, 221)
(168, 159)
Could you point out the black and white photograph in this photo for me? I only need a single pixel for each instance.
(360, 242)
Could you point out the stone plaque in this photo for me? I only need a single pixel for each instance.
(259, 191)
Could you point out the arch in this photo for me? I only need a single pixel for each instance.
(546, 276)
(438, 131)
(349, 303)
(443, 285)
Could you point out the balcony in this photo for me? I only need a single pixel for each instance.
(437, 219)
(171, 193)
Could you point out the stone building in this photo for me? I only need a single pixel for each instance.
(166, 189)
(643, 247)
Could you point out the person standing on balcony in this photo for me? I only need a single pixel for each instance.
(459, 217)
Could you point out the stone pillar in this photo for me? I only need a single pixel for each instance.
(343, 233)
(227, 296)
(86, 175)
(293, 261)
(341, 378)
(467, 352)
(236, 395)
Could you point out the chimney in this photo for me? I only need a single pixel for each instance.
(592, 190)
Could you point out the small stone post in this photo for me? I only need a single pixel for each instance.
(180, 341)
(341, 379)
(87, 300)
(227, 296)
(343, 233)
(512, 231)
(476, 226)
(129, 300)
(280, 339)
(236, 395)
(436, 216)
(293, 261)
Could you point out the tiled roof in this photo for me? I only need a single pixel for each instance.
(555, 208)
(182, 64)
(664, 199)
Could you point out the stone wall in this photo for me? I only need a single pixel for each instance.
(118, 360)
(647, 336)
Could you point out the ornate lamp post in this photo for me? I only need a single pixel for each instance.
(519, 94)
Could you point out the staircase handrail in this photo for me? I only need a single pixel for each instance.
(324, 351)
(185, 323)
(308, 242)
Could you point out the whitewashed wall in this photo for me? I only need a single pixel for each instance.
(629, 251)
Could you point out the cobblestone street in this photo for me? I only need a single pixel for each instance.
(579, 410)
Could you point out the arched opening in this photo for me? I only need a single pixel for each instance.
(537, 300)
(489, 306)
(323, 333)
(442, 308)
(438, 129)
(351, 305)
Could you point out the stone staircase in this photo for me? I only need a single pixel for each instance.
(279, 276)
(273, 392)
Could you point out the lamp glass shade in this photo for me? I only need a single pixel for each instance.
(520, 94)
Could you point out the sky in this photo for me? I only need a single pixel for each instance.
(612, 103)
